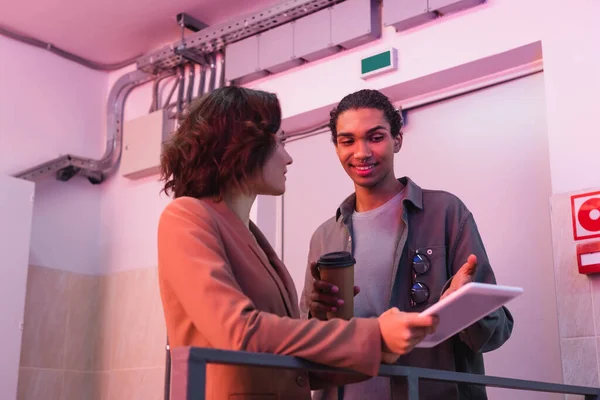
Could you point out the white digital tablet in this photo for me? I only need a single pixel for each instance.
(466, 306)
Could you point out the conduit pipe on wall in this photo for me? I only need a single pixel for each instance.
(65, 167)
(207, 45)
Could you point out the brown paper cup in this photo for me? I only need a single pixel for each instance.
(337, 268)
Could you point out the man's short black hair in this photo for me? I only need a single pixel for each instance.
(367, 98)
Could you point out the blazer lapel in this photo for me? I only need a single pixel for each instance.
(270, 261)
(260, 246)
(288, 283)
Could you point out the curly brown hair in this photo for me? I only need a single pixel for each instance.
(223, 138)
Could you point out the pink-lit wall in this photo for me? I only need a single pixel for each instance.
(49, 106)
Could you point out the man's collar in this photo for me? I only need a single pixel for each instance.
(413, 194)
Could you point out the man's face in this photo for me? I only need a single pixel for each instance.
(365, 146)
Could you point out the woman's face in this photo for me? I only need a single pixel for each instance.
(271, 180)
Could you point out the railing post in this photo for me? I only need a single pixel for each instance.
(196, 380)
(412, 387)
(167, 371)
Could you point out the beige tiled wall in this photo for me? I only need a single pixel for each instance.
(92, 337)
(578, 302)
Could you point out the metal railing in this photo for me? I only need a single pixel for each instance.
(197, 359)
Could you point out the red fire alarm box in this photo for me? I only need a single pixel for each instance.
(588, 257)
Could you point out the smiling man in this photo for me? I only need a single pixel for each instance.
(412, 248)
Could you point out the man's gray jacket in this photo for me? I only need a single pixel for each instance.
(439, 226)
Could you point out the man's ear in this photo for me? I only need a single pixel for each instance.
(398, 143)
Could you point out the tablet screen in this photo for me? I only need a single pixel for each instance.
(466, 306)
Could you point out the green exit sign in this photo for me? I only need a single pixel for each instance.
(379, 63)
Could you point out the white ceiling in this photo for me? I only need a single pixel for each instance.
(110, 31)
